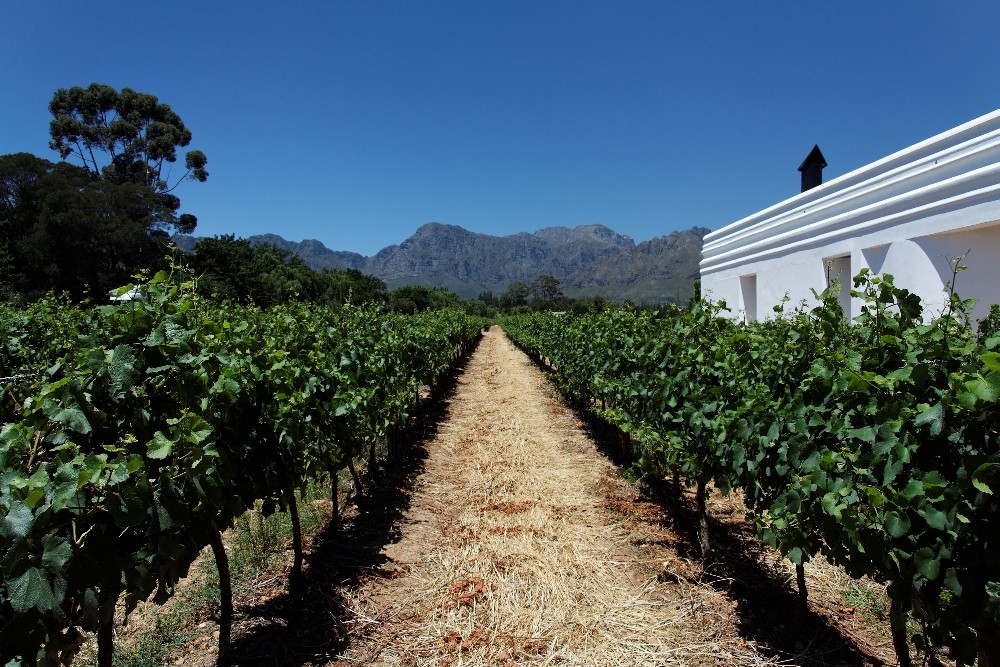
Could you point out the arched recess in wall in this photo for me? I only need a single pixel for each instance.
(980, 246)
(913, 267)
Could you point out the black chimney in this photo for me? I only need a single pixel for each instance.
(812, 169)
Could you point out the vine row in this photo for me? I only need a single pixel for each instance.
(136, 433)
(872, 443)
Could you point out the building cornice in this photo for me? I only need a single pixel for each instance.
(954, 169)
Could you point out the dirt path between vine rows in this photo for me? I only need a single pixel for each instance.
(523, 545)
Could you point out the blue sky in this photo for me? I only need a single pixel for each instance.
(356, 122)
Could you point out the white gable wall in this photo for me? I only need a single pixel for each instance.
(906, 214)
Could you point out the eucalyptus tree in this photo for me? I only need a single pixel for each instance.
(127, 137)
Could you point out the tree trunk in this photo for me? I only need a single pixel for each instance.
(703, 538)
(358, 489)
(335, 497)
(392, 441)
(106, 643)
(800, 580)
(293, 511)
(897, 626)
(225, 598)
(371, 457)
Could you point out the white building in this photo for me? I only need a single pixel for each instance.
(907, 214)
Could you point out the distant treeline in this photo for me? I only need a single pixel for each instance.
(64, 230)
(86, 229)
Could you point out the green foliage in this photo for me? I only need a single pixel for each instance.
(517, 294)
(873, 444)
(232, 269)
(411, 299)
(85, 229)
(545, 289)
(126, 137)
(544, 293)
(136, 432)
(351, 286)
(61, 230)
(136, 133)
(479, 308)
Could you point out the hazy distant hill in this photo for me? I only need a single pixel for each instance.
(588, 260)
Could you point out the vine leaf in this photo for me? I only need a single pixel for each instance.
(31, 590)
(17, 523)
(935, 518)
(896, 525)
(979, 477)
(121, 368)
(932, 416)
(991, 360)
(70, 417)
(927, 565)
(160, 447)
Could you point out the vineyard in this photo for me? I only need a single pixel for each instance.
(874, 445)
(136, 433)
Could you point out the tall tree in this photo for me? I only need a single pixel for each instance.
(233, 269)
(547, 289)
(350, 285)
(517, 294)
(127, 137)
(18, 174)
(61, 229)
(417, 298)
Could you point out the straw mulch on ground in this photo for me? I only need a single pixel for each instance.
(523, 545)
(503, 533)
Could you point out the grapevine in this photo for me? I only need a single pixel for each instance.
(146, 428)
(875, 444)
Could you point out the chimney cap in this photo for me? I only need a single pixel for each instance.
(815, 157)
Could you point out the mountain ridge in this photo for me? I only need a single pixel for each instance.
(588, 260)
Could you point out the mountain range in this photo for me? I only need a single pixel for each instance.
(587, 260)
